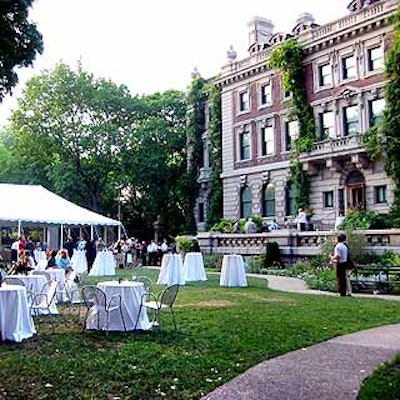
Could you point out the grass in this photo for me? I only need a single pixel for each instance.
(221, 333)
(384, 383)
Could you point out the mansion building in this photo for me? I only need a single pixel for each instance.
(343, 71)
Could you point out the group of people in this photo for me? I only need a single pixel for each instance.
(133, 252)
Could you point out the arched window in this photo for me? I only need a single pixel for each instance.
(269, 201)
(290, 195)
(245, 202)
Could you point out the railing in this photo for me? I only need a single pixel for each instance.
(292, 243)
(334, 145)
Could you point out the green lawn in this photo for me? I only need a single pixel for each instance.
(221, 333)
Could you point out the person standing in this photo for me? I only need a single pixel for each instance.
(69, 245)
(340, 258)
(301, 220)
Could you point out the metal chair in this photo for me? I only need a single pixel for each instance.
(164, 300)
(44, 273)
(8, 280)
(147, 282)
(89, 298)
(107, 305)
(42, 301)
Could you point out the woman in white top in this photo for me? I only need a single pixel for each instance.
(301, 220)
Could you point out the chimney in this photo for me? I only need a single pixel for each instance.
(260, 30)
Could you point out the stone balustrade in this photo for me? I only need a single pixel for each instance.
(292, 243)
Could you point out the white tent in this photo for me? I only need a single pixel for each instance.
(33, 203)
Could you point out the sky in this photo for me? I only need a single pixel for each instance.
(154, 45)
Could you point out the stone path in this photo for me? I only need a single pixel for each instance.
(330, 370)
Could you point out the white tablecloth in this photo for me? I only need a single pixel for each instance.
(232, 271)
(79, 261)
(36, 282)
(171, 271)
(16, 323)
(104, 264)
(193, 267)
(131, 294)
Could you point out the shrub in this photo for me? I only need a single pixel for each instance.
(184, 243)
(223, 226)
(213, 261)
(272, 255)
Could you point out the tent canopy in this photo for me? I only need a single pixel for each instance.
(34, 203)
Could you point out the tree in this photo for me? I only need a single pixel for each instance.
(156, 161)
(83, 123)
(19, 41)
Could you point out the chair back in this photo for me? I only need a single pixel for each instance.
(3, 273)
(100, 298)
(88, 294)
(43, 273)
(169, 294)
(52, 291)
(147, 283)
(12, 281)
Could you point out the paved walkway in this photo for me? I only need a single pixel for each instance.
(330, 370)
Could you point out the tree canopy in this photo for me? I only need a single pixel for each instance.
(20, 41)
(89, 139)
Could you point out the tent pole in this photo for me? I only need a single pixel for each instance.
(62, 236)
(105, 235)
(91, 232)
(19, 228)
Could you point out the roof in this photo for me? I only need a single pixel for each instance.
(34, 203)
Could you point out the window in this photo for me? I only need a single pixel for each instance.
(324, 75)
(266, 94)
(375, 59)
(328, 199)
(350, 118)
(327, 125)
(267, 140)
(269, 201)
(291, 133)
(348, 67)
(201, 212)
(376, 108)
(245, 203)
(244, 101)
(290, 195)
(244, 139)
(380, 194)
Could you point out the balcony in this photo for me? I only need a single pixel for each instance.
(333, 152)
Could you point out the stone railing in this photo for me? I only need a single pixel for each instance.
(336, 145)
(293, 244)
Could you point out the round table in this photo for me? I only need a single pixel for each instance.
(193, 267)
(131, 295)
(16, 323)
(104, 264)
(171, 271)
(232, 272)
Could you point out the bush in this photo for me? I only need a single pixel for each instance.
(213, 261)
(184, 243)
(223, 226)
(365, 219)
(272, 255)
(323, 280)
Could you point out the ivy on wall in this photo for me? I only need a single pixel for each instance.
(383, 140)
(215, 209)
(194, 129)
(288, 59)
